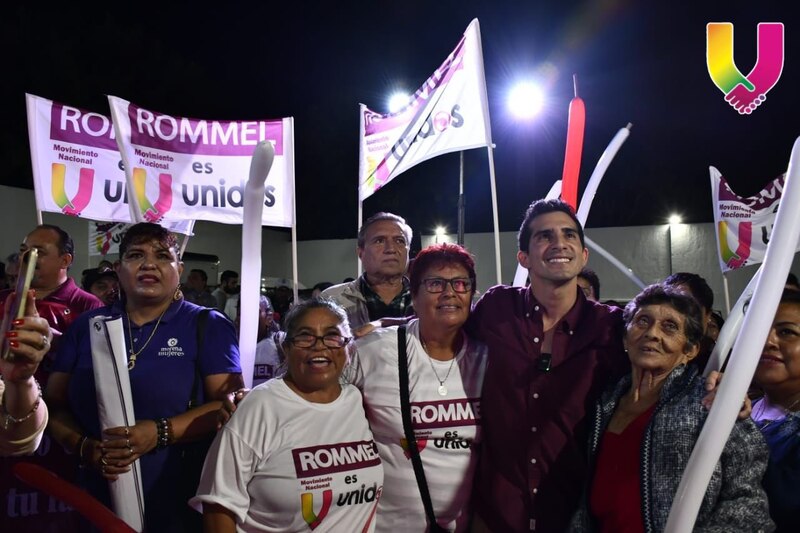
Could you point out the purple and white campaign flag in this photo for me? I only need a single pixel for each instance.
(77, 168)
(193, 169)
(744, 225)
(448, 113)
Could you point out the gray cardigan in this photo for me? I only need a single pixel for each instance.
(734, 500)
(349, 296)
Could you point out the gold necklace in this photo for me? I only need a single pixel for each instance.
(133, 355)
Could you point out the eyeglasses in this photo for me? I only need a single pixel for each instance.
(437, 285)
(332, 340)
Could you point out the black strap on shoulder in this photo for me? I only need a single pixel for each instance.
(200, 331)
(411, 440)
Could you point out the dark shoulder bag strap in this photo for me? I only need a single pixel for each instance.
(202, 318)
(411, 440)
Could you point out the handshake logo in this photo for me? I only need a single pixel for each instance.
(744, 93)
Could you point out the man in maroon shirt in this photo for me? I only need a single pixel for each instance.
(551, 354)
(59, 300)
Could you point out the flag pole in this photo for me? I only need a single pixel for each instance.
(361, 167)
(492, 181)
(461, 206)
(490, 149)
(727, 294)
(185, 241)
(290, 169)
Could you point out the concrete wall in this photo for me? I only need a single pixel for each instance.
(645, 249)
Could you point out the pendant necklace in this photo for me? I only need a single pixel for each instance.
(133, 355)
(442, 390)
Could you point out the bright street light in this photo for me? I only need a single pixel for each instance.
(525, 100)
(675, 219)
(439, 233)
(397, 101)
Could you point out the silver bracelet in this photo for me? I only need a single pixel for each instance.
(8, 419)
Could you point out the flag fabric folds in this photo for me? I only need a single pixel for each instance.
(743, 225)
(77, 169)
(448, 113)
(76, 164)
(180, 168)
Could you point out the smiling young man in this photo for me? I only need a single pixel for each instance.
(551, 353)
(382, 290)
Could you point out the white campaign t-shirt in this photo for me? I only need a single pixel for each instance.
(447, 428)
(267, 361)
(284, 464)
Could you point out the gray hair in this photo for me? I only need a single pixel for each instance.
(377, 217)
(684, 304)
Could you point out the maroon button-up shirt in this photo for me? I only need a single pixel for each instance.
(533, 462)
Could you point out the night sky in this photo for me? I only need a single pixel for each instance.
(638, 62)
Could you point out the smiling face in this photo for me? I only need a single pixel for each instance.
(555, 254)
(778, 369)
(315, 371)
(385, 251)
(656, 340)
(443, 310)
(149, 272)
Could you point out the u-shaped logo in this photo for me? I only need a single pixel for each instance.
(744, 93)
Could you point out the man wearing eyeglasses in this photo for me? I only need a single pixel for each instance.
(552, 352)
(382, 290)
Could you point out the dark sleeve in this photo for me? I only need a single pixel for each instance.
(475, 319)
(219, 353)
(69, 347)
(742, 503)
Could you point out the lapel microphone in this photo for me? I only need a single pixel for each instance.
(543, 363)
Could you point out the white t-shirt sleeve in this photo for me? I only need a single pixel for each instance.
(228, 469)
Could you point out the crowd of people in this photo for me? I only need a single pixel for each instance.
(397, 401)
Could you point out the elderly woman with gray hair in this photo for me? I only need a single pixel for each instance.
(644, 430)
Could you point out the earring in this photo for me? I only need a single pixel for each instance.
(178, 294)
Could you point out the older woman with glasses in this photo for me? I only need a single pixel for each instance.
(298, 452)
(444, 371)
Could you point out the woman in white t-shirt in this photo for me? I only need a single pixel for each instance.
(298, 452)
(445, 369)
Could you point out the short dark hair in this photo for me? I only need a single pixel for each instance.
(201, 272)
(64, 243)
(377, 217)
(697, 286)
(790, 296)
(716, 316)
(93, 275)
(591, 276)
(148, 231)
(228, 274)
(542, 207)
(322, 285)
(658, 294)
(440, 254)
(791, 279)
